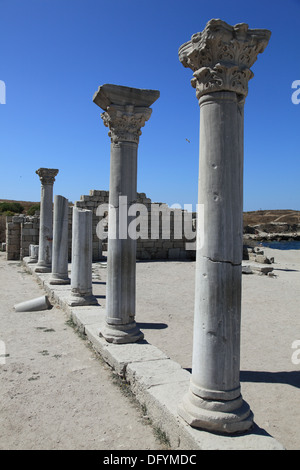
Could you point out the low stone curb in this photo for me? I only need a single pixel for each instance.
(157, 382)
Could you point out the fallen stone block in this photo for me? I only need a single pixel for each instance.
(262, 268)
(262, 259)
(246, 270)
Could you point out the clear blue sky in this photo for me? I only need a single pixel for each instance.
(55, 54)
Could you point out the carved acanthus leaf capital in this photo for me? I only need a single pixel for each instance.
(126, 110)
(125, 122)
(221, 56)
(47, 175)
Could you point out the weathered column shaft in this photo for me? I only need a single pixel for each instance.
(81, 267)
(220, 58)
(60, 242)
(219, 257)
(47, 178)
(121, 266)
(126, 111)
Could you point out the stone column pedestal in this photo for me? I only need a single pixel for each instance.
(81, 267)
(47, 178)
(126, 111)
(60, 242)
(220, 57)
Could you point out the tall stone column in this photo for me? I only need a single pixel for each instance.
(59, 273)
(47, 178)
(220, 57)
(126, 111)
(81, 266)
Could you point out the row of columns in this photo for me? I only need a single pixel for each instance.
(53, 242)
(220, 58)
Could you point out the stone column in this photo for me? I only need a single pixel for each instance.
(126, 111)
(220, 58)
(81, 267)
(60, 242)
(33, 254)
(47, 178)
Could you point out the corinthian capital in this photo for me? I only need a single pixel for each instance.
(125, 122)
(47, 175)
(126, 110)
(221, 56)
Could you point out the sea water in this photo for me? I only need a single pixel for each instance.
(283, 245)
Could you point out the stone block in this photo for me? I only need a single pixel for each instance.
(173, 253)
(144, 255)
(118, 356)
(161, 254)
(262, 259)
(246, 269)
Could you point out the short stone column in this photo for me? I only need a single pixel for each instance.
(59, 273)
(47, 178)
(126, 111)
(33, 254)
(81, 267)
(220, 58)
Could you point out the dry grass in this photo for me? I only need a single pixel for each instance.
(287, 216)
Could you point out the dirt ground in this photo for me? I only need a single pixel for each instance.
(270, 380)
(55, 394)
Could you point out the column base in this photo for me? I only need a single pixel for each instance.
(77, 300)
(226, 417)
(121, 334)
(60, 280)
(43, 268)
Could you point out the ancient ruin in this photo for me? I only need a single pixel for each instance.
(125, 111)
(81, 270)
(47, 178)
(59, 272)
(220, 58)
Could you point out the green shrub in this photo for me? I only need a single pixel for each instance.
(33, 209)
(8, 213)
(14, 207)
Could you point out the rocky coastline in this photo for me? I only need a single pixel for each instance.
(271, 232)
